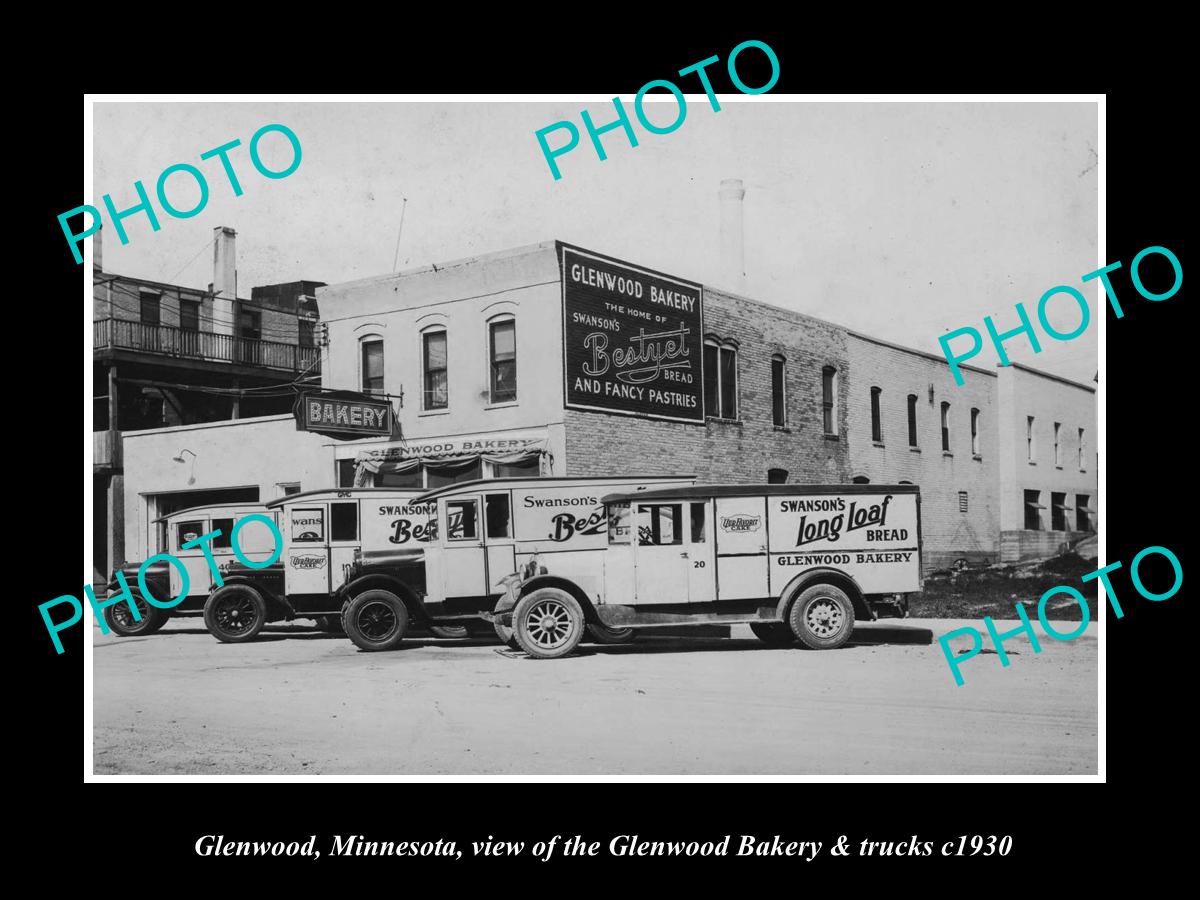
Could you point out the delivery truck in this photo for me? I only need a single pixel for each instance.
(794, 562)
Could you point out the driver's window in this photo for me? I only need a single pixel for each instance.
(187, 531)
(308, 525)
(462, 520)
(659, 524)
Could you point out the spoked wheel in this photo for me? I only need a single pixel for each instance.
(119, 618)
(602, 634)
(776, 634)
(822, 617)
(548, 623)
(376, 620)
(235, 613)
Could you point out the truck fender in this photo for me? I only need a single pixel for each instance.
(383, 581)
(510, 597)
(825, 575)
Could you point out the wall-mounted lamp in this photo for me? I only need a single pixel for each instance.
(179, 459)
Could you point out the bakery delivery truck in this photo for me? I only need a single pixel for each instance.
(481, 533)
(794, 562)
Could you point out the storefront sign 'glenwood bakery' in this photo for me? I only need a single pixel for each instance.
(632, 339)
(342, 414)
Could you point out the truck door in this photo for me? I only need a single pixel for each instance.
(343, 540)
(199, 574)
(498, 538)
(463, 560)
(306, 551)
(702, 569)
(662, 571)
(741, 545)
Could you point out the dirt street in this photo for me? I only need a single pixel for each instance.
(304, 702)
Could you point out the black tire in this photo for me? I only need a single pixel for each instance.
(449, 631)
(376, 620)
(822, 617)
(776, 634)
(330, 624)
(548, 623)
(602, 634)
(506, 635)
(235, 613)
(120, 621)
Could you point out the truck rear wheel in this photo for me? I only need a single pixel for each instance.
(548, 623)
(776, 634)
(376, 620)
(120, 620)
(602, 634)
(822, 617)
(235, 613)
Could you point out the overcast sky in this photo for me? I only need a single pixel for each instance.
(900, 220)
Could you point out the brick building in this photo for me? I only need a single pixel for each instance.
(555, 360)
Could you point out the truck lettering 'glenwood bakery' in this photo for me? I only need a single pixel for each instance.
(552, 360)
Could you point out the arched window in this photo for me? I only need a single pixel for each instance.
(829, 399)
(371, 364)
(974, 432)
(861, 479)
(777, 476)
(912, 420)
(779, 390)
(502, 357)
(435, 382)
(720, 378)
(945, 426)
(876, 417)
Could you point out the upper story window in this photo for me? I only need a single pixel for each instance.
(189, 315)
(502, 351)
(372, 365)
(1081, 450)
(912, 420)
(778, 390)
(433, 363)
(945, 426)
(876, 417)
(1029, 448)
(975, 432)
(249, 324)
(829, 399)
(149, 308)
(1057, 444)
(307, 336)
(720, 379)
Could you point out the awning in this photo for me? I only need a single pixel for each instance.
(450, 453)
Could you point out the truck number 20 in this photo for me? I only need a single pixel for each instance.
(698, 564)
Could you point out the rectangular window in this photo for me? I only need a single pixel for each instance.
(1058, 511)
(698, 520)
(1057, 444)
(829, 399)
(974, 432)
(659, 525)
(778, 404)
(308, 525)
(945, 427)
(1033, 511)
(962, 501)
(876, 418)
(345, 473)
(149, 308)
(189, 315)
(307, 338)
(1081, 469)
(434, 357)
(462, 520)
(1029, 438)
(287, 489)
(712, 405)
(531, 468)
(728, 383)
(503, 343)
(250, 324)
(496, 511)
(439, 476)
(1083, 519)
(912, 420)
(187, 531)
(343, 522)
(413, 478)
(372, 367)
(618, 523)
(223, 541)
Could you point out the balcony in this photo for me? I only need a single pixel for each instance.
(168, 341)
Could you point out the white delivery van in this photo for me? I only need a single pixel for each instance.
(478, 534)
(795, 562)
(164, 581)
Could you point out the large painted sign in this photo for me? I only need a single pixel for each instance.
(632, 339)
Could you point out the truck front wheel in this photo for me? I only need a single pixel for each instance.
(548, 623)
(822, 617)
(376, 620)
(119, 618)
(235, 613)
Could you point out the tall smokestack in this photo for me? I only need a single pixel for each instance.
(733, 252)
(224, 279)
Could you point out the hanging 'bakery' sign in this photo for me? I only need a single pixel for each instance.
(632, 339)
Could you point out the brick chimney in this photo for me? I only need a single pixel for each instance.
(224, 279)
